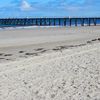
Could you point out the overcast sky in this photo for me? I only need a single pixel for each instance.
(49, 8)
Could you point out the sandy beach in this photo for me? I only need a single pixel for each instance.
(50, 63)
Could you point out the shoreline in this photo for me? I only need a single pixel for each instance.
(39, 35)
(25, 43)
(33, 27)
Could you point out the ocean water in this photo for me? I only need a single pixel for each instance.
(42, 22)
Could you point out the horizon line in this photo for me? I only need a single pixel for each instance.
(52, 17)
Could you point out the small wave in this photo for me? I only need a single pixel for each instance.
(25, 27)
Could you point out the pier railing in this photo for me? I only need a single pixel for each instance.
(49, 21)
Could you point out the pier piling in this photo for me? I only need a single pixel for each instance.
(76, 22)
(65, 22)
(70, 21)
(94, 21)
(59, 21)
(89, 21)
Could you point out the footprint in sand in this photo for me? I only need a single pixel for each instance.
(43, 51)
(21, 51)
(56, 49)
(29, 54)
(61, 48)
(8, 55)
(39, 49)
(99, 39)
(94, 40)
(89, 42)
(2, 58)
(66, 47)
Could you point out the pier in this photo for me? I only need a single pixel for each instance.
(7, 22)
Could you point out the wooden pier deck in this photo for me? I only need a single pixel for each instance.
(7, 22)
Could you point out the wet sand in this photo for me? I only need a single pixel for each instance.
(17, 44)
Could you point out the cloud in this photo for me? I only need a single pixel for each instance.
(25, 6)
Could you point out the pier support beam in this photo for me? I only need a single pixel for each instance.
(94, 20)
(40, 22)
(59, 21)
(54, 21)
(36, 21)
(49, 22)
(70, 22)
(89, 21)
(65, 22)
(76, 22)
(24, 22)
(82, 22)
(45, 22)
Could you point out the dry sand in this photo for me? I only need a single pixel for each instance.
(50, 64)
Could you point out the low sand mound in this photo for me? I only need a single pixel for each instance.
(72, 74)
